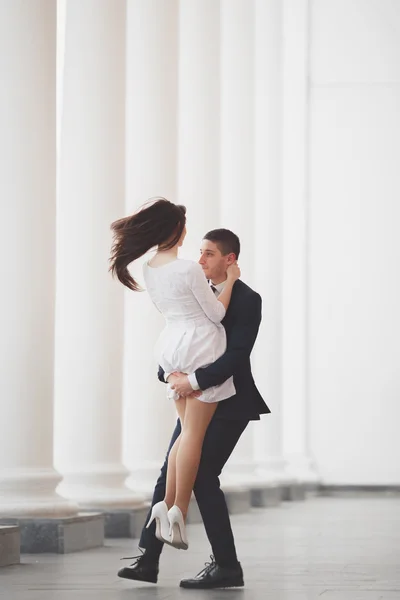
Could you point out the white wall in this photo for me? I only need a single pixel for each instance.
(354, 241)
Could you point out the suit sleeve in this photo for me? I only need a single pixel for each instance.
(161, 374)
(240, 344)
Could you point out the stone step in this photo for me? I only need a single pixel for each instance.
(59, 535)
(9, 545)
(124, 523)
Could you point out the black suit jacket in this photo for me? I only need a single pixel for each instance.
(241, 322)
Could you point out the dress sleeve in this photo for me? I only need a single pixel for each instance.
(213, 309)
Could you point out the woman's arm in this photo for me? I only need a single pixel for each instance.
(214, 308)
(232, 275)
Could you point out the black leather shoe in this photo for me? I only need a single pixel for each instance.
(143, 569)
(214, 576)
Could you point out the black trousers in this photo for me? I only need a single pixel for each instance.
(221, 437)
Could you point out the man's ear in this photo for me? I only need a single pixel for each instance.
(231, 258)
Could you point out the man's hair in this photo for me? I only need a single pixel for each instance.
(226, 240)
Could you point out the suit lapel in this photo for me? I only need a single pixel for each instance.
(232, 305)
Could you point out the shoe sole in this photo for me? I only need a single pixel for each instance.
(129, 576)
(209, 586)
(158, 532)
(176, 538)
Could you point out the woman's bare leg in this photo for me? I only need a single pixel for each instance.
(197, 416)
(170, 490)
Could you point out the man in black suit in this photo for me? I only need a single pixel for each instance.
(220, 248)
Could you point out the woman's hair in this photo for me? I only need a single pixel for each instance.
(159, 223)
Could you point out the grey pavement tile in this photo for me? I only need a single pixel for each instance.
(324, 548)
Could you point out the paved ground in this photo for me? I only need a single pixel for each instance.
(328, 548)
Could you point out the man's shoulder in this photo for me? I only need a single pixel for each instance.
(245, 292)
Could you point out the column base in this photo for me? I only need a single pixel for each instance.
(267, 497)
(360, 490)
(30, 493)
(293, 491)
(301, 468)
(268, 492)
(312, 489)
(238, 498)
(142, 480)
(194, 517)
(125, 522)
(99, 487)
(59, 535)
(9, 546)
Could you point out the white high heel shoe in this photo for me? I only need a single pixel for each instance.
(177, 529)
(159, 514)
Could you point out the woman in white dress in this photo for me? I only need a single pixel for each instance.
(193, 337)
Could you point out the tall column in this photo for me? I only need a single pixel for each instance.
(27, 244)
(294, 283)
(90, 310)
(199, 112)
(268, 233)
(237, 166)
(152, 65)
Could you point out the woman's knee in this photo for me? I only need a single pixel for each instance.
(192, 434)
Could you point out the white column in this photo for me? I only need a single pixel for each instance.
(90, 310)
(199, 112)
(237, 167)
(268, 233)
(294, 282)
(27, 246)
(152, 64)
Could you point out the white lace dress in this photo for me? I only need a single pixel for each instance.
(193, 336)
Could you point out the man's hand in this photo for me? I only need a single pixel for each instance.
(180, 383)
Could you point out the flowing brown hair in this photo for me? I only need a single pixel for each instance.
(160, 223)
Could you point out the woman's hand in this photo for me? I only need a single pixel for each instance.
(233, 271)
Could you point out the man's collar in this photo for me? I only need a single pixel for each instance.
(219, 287)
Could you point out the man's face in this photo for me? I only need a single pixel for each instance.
(213, 262)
